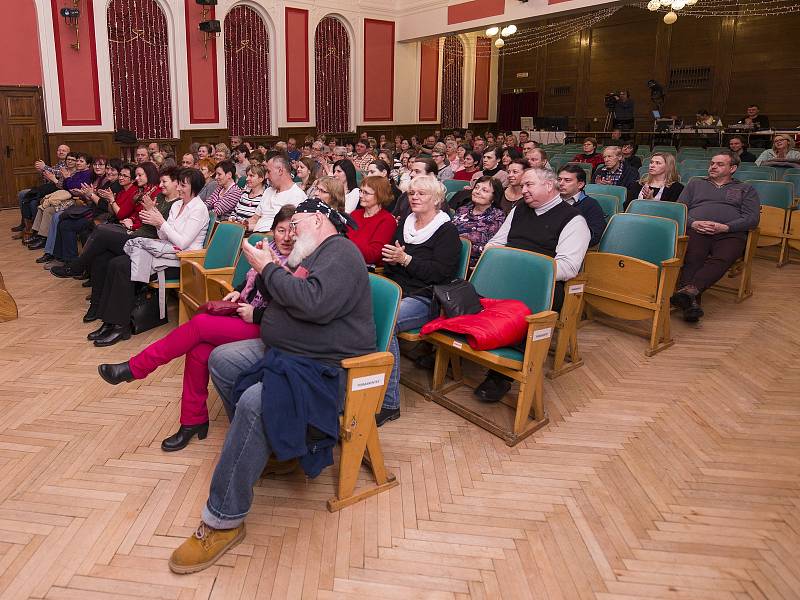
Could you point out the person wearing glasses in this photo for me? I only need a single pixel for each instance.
(196, 338)
(376, 225)
(439, 157)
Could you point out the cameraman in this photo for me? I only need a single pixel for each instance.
(623, 111)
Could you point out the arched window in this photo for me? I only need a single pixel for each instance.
(139, 56)
(247, 72)
(452, 82)
(332, 68)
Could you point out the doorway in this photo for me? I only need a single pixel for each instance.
(22, 135)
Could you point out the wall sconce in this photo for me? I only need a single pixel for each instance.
(71, 18)
(209, 28)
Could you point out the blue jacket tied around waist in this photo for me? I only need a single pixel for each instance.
(299, 407)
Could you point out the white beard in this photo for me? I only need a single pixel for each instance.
(304, 245)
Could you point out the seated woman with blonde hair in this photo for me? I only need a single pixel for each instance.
(661, 180)
(198, 337)
(308, 170)
(330, 191)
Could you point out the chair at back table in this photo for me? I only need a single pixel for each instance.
(634, 274)
(218, 259)
(367, 378)
(505, 273)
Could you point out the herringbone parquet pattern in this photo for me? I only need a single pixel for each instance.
(676, 476)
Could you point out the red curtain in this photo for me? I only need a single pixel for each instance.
(139, 56)
(452, 82)
(332, 68)
(247, 72)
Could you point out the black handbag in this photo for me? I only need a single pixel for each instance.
(146, 315)
(455, 298)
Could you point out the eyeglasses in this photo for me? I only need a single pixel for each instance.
(293, 224)
(366, 193)
(121, 175)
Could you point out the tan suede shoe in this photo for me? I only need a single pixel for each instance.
(204, 548)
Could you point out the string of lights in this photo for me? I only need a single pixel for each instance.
(536, 35)
(732, 8)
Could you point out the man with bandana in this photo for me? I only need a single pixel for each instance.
(319, 313)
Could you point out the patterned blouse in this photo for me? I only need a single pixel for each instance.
(479, 228)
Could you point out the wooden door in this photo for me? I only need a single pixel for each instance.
(21, 141)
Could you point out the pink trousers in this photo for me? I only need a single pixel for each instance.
(196, 339)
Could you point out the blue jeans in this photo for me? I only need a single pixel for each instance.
(51, 234)
(245, 451)
(20, 198)
(414, 312)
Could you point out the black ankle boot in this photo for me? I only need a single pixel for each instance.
(180, 439)
(91, 314)
(493, 388)
(100, 332)
(116, 373)
(117, 333)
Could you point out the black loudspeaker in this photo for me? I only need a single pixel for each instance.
(210, 26)
(206, 2)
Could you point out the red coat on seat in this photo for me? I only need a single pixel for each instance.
(501, 323)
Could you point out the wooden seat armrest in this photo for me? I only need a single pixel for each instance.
(190, 253)
(672, 263)
(541, 317)
(376, 359)
(219, 271)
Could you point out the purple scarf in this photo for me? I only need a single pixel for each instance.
(250, 285)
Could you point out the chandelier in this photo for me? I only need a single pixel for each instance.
(672, 5)
(501, 33)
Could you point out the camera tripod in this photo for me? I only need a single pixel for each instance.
(610, 118)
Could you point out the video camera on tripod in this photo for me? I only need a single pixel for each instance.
(610, 100)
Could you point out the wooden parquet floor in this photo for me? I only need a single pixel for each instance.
(676, 476)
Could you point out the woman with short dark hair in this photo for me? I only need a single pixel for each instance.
(479, 219)
(184, 228)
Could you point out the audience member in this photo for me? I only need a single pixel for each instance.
(424, 251)
(291, 149)
(781, 154)
(362, 157)
(312, 323)
(376, 225)
(380, 168)
(615, 172)
(478, 144)
(629, 155)
(537, 158)
(184, 229)
(736, 145)
(419, 167)
(308, 171)
(208, 168)
(239, 157)
(661, 182)
(721, 212)
(199, 336)
(543, 223)
(571, 184)
(589, 154)
(221, 153)
(252, 195)
(492, 167)
(453, 154)
(471, 163)
(479, 219)
(513, 193)
(281, 191)
(49, 176)
(438, 156)
(344, 171)
(141, 155)
(205, 151)
(188, 161)
(226, 195)
(30, 201)
(331, 191)
(624, 111)
(511, 154)
(755, 119)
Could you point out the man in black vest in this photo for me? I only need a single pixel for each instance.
(546, 224)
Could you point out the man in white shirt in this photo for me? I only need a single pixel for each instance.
(282, 191)
(543, 223)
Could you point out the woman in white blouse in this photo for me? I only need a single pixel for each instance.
(185, 229)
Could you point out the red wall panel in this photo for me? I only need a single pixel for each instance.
(429, 80)
(23, 38)
(483, 62)
(201, 72)
(476, 9)
(378, 70)
(296, 31)
(77, 70)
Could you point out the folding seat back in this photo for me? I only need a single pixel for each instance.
(612, 190)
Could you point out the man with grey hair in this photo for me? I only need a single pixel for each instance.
(542, 223)
(283, 392)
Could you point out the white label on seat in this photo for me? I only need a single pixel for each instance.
(576, 289)
(541, 334)
(457, 344)
(368, 381)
